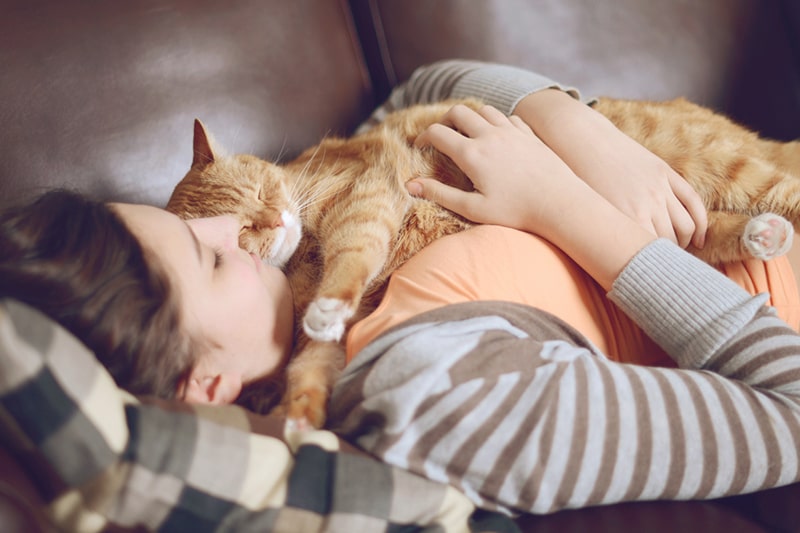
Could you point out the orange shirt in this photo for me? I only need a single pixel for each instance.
(497, 263)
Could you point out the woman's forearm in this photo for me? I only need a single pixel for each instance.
(595, 234)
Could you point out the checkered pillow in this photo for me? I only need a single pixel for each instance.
(103, 458)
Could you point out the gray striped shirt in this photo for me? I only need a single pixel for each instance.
(521, 413)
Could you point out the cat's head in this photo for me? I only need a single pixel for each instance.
(255, 191)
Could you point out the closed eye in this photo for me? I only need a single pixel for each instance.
(217, 258)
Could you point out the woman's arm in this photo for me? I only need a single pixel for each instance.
(521, 183)
(518, 410)
(547, 199)
(629, 176)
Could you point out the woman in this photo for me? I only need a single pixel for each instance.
(192, 264)
(99, 270)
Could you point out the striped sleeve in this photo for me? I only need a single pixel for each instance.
(502, 86)
(520, 412)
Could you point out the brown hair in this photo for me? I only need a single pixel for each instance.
(74, 259)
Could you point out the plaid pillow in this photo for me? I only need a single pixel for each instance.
(104, 459)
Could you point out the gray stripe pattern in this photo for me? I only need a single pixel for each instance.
(502, 86)
(519, 411)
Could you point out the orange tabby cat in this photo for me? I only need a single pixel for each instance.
(339, 220)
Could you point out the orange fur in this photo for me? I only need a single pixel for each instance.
(359, 224)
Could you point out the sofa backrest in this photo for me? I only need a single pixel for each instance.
(741, 57)
(100, 96)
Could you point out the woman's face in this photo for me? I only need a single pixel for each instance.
(238, 306)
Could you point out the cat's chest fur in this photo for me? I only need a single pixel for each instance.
(357, 208)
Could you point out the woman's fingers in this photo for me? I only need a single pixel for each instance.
(470, 122)
(493, 115)
(462, 122)
(683, 226)
(442, 137)
(465, 120)
(520, 124)
(694, 207)
(448, 197)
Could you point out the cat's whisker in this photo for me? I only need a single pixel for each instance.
(307, 187)
(304, 191)
(302, 175)
(281, 151)
(317, 195)
(314, 197)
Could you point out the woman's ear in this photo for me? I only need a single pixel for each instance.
(216, 389)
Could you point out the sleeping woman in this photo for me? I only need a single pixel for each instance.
(134, 283)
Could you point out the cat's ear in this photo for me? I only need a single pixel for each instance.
(202, 145)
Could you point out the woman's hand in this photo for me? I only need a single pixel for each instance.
(521, 183)
(628, 175)
(511, 169)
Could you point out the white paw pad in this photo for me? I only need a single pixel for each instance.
(768, 235)
(325, 319)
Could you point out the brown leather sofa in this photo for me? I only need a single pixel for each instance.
(100, 96)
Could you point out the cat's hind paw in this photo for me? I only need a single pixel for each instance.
(768, 236)
(325, 319)
(307, 410)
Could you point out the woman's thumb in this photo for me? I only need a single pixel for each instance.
(415, 188)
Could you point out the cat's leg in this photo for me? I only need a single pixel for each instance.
(734, 237)
(310, 376)
(343, 284)
(355, 250)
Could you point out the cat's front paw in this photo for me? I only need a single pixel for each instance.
(768, 236)
(326, 318)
